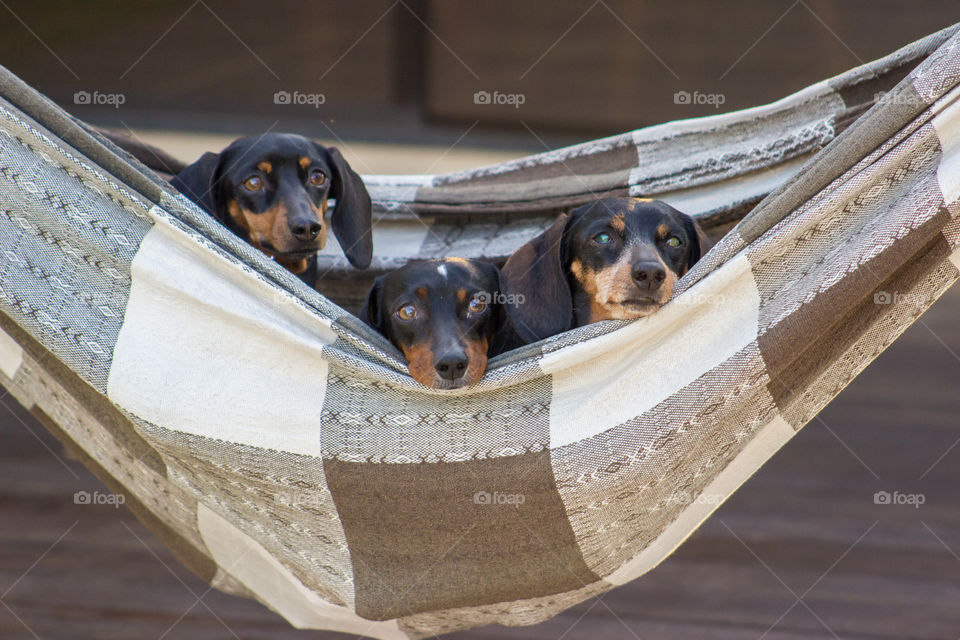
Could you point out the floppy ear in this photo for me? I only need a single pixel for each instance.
(699, 242)
(352, 217)
(197, 182)
(535, 278)
(372, 312)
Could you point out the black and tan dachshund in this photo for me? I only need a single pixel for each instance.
(442, 314)
(612, 259)
(272, 191)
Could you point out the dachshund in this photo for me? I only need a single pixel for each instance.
(442, 314)
(272, 191)
(612, 259)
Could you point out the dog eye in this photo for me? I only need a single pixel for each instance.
(477, 305)
(317, 178)
(407, 312)
(673, 241)
(602, 238)
(253, 183)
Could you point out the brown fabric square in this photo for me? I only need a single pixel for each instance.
(839, 318)
(432, 536)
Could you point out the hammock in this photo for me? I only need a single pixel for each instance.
(278, 446)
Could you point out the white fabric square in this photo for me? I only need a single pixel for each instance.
(208, 349)
(610, 379)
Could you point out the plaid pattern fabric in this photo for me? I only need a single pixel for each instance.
(280, 448)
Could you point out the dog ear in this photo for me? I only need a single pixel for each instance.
(198, 180)
(699, 242)
(352, 217)
(372, 313)
(535, 280)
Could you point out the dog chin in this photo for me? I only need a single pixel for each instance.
(295, 258)
(293, 254)
(434, 381)
(295, 251)
(447, 385)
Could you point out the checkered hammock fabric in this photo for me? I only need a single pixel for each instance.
(279, 447)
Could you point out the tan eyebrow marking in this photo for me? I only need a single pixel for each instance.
(618, 224)
(304, 162)
(265, 166)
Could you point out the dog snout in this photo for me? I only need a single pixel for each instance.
(451, 366)
(305, 228)
(648, 275)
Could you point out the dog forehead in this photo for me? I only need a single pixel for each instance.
(649, 217)
(456, 270)
(415, 278)
(279, 150)
(272, 142)
(437, 278)
(606, 209)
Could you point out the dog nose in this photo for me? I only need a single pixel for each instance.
(451, 366)
(648, 275)
(306, 230)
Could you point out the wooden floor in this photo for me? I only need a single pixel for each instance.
(801, 551)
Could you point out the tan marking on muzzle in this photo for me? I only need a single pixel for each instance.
(320, 212)
(271, 227)
(476, 360)
(588, 281)
(268, 227)
(420, 364)
(610, 287)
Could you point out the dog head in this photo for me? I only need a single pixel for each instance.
(442, 314)
(272, 190)
(612, 259)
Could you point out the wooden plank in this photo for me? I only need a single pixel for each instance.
(218, 57)
(616, 65)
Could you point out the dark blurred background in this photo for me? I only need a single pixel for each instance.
(408, 70)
